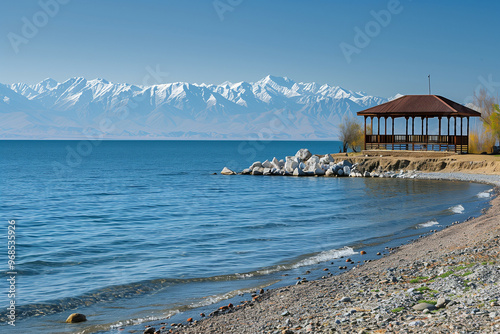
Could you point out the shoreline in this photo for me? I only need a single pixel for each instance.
(379, 296)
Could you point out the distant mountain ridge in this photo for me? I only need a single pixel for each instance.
(271, 108)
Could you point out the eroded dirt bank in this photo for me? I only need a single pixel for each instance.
(424, 161)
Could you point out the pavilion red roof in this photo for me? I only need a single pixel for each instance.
(420, 105)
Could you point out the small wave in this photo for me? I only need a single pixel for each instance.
(457, 209)
(428, 224)
(138, 321)
(312, 260)
(325, 256)
(484, 194)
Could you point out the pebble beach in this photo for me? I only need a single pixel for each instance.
(445, 282)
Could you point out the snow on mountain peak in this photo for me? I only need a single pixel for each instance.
(228, 110)
(397, 96)
(48, 83)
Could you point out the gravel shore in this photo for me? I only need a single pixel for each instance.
(447, 282)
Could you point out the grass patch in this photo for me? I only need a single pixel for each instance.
(418, 279)
(397, 309)
(423, 288)
(464, 266)
(467, 273)
(446, 274)
(484, 263)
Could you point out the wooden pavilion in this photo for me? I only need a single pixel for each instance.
(424, 107)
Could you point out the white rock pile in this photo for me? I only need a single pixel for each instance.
(303, 163)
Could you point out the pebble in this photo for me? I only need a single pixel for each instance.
(75, 318)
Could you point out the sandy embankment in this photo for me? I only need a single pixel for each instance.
(457, 267)
(425, 161)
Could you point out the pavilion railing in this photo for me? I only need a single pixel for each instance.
(418, 142)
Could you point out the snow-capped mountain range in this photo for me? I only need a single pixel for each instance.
(271, 108)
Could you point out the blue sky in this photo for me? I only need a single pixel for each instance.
(244, 40)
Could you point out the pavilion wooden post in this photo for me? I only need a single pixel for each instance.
(448, 133)
(406, 136)
(366, 136)
(423, 134)
(467, 134)
(385, 133)
(455, 137)
(378, 132)
(427, 132)
(393, 135)
(439, 136)
(461, 133)
(413, 133)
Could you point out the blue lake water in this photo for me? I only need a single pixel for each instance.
(127, 232)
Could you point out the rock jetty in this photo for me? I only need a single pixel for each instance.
(304, 163)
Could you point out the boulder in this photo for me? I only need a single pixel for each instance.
(442, 302)
(302, 165)
(76, 317)
(423, 306)
(346, 163)
(347, 170)
(311, 167)
(256, 164)
(267, 171)
(319, 171)
(326, 159)
(298, 172)
(258, 171)
(227, 171)
(303, 154)
(267, 164)
(329, 172)
(149, 330)
(340, 172)
(367, 174)
(290, 164)
(313, 160)
(246, 171)
(276, 163)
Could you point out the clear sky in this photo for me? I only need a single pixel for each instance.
(456, 42)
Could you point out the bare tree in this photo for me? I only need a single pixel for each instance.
(351, 134)
(490, 115)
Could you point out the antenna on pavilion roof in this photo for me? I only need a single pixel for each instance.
(429, 76)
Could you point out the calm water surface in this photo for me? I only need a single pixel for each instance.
(131, 231)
